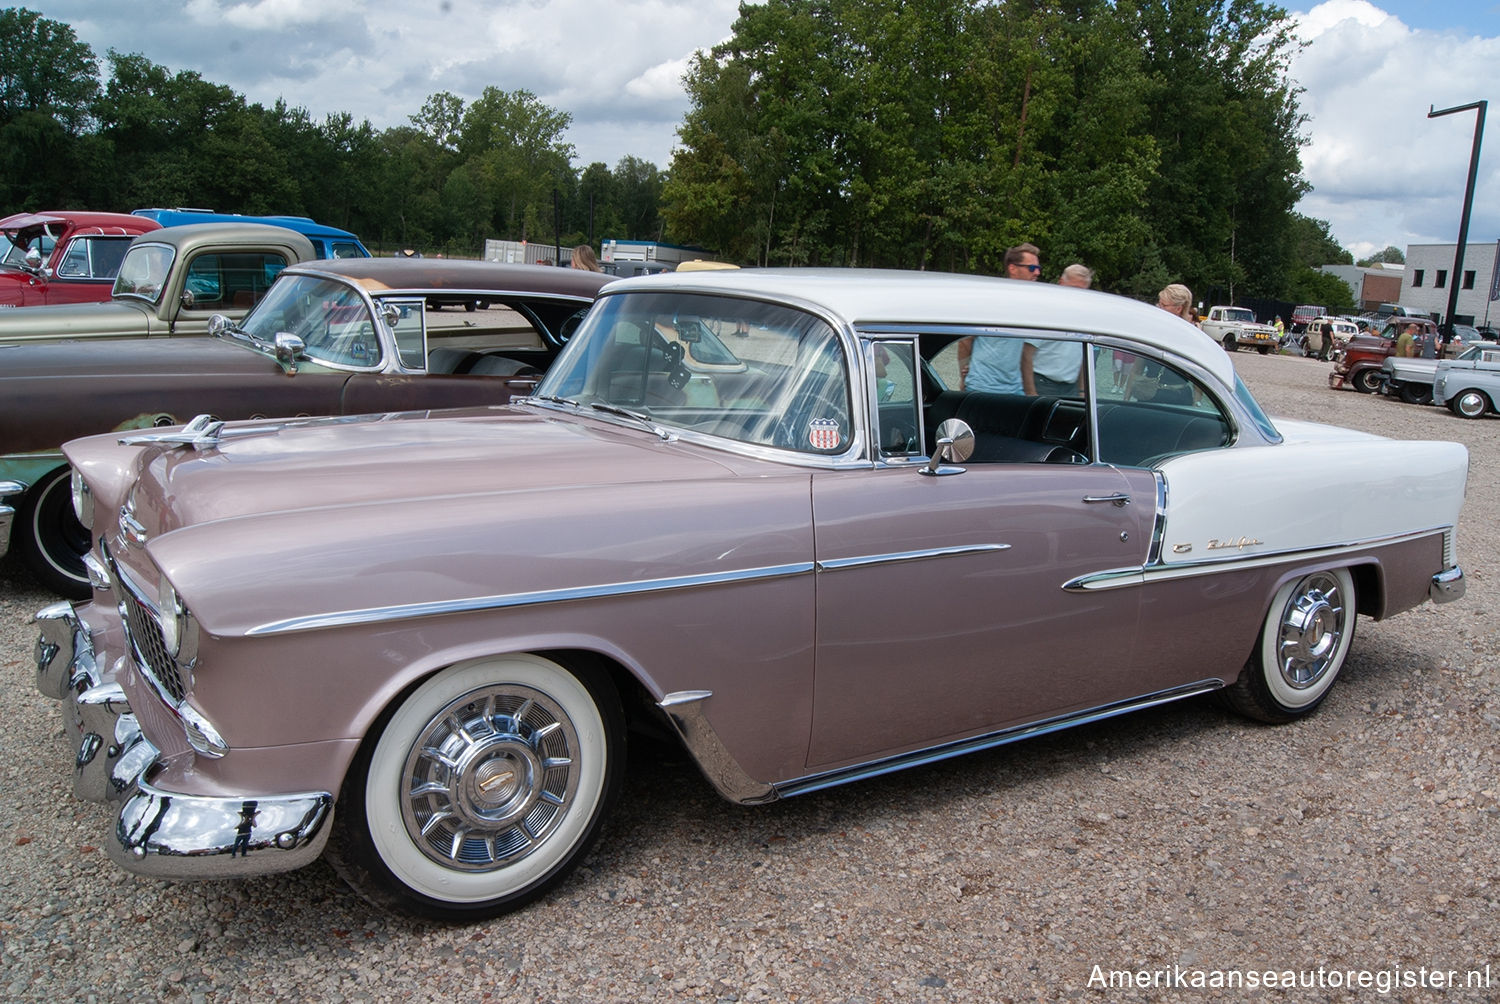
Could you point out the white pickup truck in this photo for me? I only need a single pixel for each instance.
(1233, 327)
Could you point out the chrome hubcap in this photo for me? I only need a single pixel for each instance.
(1471, 404)
(1312, 628)
(489, 778)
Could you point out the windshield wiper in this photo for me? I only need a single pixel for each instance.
(551, 399)
(635, 416)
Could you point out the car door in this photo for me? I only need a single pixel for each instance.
(943, 607)
(944, 602)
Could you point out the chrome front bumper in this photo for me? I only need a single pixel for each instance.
(157, 832)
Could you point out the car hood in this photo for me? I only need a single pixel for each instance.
(419, 507)
(71, 320)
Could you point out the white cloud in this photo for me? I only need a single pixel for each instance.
(1382, 172)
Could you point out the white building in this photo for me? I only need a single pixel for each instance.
(1429, 277)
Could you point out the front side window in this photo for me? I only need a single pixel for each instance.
(751, 372)
(331, 319)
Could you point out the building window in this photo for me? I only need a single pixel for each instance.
(1442, 279)
(1416, 279)
(1469, 279)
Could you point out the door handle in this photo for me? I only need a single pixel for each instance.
(1118, 498)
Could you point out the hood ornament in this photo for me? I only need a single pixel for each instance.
(202, 433)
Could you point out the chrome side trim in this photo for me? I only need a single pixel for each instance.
(835, 564)
(1121, 577)
(411, 611)
(1159, 520)
(684, 709)
(859, 772)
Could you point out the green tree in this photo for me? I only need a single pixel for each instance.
(1390, 256)
(48, 82)
(1314, 243)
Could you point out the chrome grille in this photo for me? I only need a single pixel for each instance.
(150, 648)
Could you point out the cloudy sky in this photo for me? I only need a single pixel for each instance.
(1381, 171)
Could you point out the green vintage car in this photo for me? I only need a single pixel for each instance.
(171, 282)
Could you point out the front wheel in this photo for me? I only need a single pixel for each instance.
(1302, 647)
(1469, 404)
(1366, 381)
(49, 537)
(1230, 345)
(483, 789)
(1264, 350)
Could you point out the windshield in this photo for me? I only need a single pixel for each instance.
(746, 371)
(144, 271)
(331, 318)
(1239, 314)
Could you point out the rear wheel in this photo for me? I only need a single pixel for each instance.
(1469, 404)
(1302, 647)
(1366, 381)
(1416, 393)
(483, 789)
(49, 537)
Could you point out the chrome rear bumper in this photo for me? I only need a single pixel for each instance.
(157, 832)
(10, 492)
(1447, 586)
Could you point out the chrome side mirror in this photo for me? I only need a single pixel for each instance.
(217, 324)
(955, 444)
(33, 260)
(288, 349)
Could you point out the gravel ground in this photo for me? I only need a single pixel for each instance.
(1183, 842)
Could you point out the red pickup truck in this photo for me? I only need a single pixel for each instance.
(64, 257)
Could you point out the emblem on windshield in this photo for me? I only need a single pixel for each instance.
(823, 433)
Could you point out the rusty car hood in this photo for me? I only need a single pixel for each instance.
(96, 376)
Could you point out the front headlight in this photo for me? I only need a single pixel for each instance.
(83, 501)
(173, 617)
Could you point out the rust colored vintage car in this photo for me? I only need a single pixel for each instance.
(1358, 364)
(64, 257)
(751, 509)
(331, 338)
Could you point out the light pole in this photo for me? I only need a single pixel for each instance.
(1463, 223)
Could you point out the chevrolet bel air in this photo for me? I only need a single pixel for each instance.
(748, 509)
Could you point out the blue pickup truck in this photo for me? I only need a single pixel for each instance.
(327, 242)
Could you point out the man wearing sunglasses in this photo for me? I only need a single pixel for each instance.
(996, 366)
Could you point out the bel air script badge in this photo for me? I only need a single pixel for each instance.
(1215, 544)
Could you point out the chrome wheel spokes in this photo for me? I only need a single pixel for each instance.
(1313, 624)
(489, 778)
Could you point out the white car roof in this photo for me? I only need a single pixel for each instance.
(872, 297)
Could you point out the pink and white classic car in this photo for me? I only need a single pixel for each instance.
(756, 508)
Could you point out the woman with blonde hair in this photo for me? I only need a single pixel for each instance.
(1151, 381)
(583, 258)
(1177, 299)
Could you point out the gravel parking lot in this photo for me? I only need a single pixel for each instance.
(1182, 842)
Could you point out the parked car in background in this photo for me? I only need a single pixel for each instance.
(1302, 314)
(418, 641)
(64, 257)
(1233, 327)
(1358, 366)
(1470, 384)
(171, 281)
(1412, 379)
(327, 242)
(331, 338)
